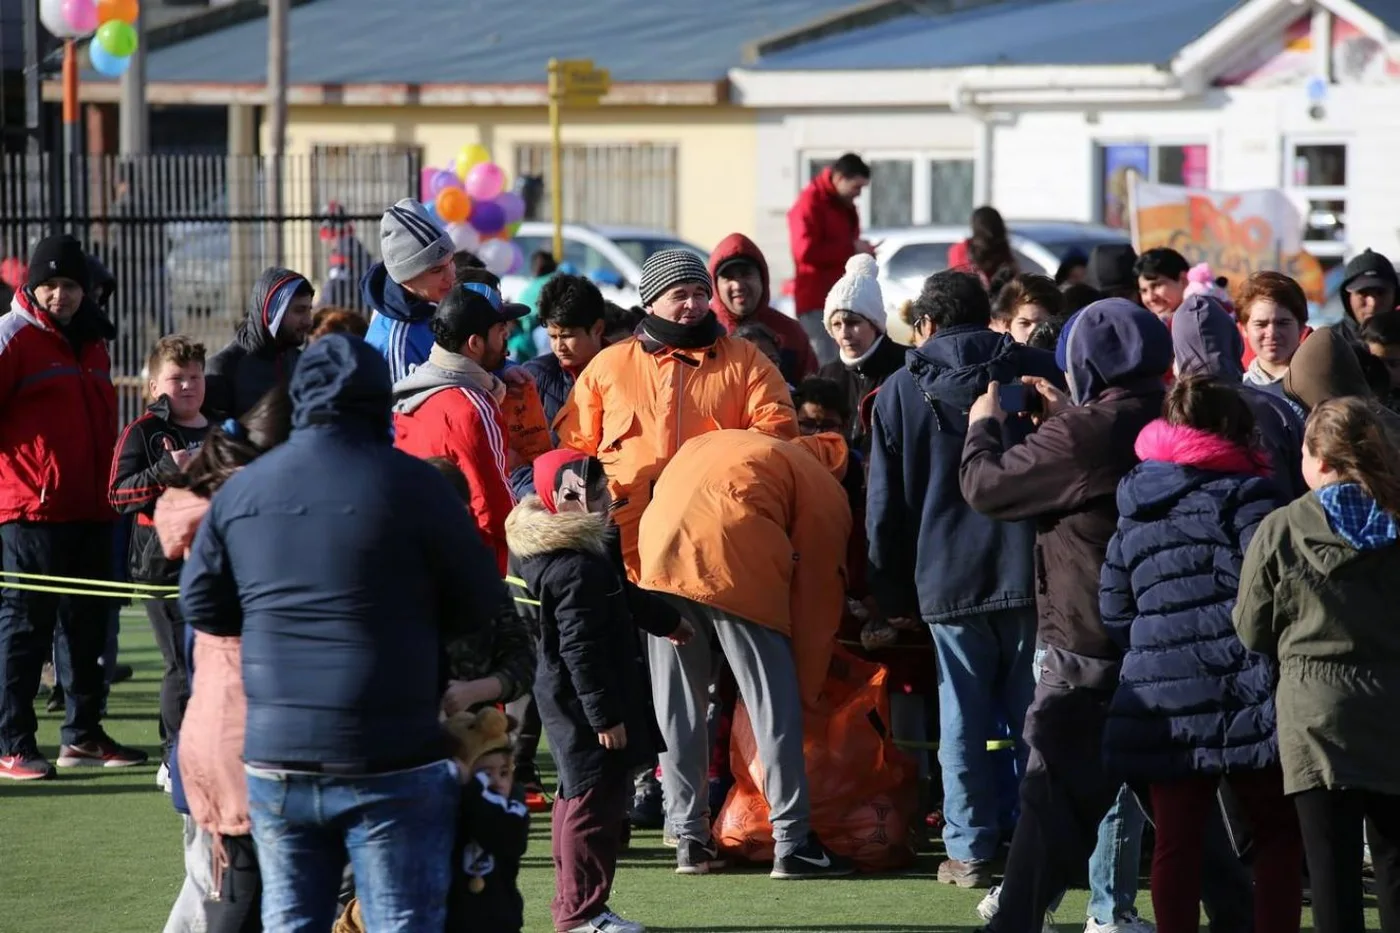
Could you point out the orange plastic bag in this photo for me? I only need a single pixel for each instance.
(527, 429)
(863, 789)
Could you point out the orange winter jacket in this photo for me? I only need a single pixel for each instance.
(756, 527)
(638, 401)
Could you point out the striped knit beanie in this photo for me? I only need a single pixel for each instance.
(668, 268)
(410, 241)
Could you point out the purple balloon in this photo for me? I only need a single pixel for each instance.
(487, 217)
(441, 181)
(514, 206)
(517, 258)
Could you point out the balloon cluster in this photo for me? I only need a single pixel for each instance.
(480, 215)
(112, 22)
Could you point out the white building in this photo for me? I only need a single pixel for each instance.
(1040, 107)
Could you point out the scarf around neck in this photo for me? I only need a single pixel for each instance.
(699, 335)
(857, 362)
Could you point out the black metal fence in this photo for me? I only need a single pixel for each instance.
(185, 237)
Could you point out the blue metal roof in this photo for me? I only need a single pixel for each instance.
(488, 41)
(1018, 32)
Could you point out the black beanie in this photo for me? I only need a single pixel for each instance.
(59, 256)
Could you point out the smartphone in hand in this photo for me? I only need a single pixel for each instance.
(1017, 398)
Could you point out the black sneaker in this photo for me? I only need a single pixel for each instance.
(648, 811)
(57, 702)
(813, 860)
(698, 858)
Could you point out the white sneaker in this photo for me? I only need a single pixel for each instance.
(990, 906)
(1129, 924)
(163, 777)
(608, 922)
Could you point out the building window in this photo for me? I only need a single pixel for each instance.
(1317, 174)
(910, 189)
(1187, 165)
(629, 183)
(950, 190)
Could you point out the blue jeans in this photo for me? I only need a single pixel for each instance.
(985, 683)
(397, 828)
(1113, 868)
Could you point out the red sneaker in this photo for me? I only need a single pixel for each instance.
(101, 752)
(26, 766)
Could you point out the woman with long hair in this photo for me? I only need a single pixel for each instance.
(988, 251)
(1318, 592)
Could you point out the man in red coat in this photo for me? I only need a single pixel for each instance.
(740, 274)
(58, 427)
(450, 405)
(824, 230)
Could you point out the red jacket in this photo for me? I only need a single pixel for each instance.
(823, 228)
(466, 426)
(58, 416)
(799, 361)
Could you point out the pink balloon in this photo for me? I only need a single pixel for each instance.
(81, 15)
(485, 181)
(425, 183)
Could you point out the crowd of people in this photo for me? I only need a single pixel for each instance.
(1135, 526)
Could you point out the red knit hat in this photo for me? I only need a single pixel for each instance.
(546, 472)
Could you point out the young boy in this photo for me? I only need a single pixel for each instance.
(493, 828)
(153, 449)
(589, 686)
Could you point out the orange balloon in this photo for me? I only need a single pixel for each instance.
(124, 10)
(453, 205)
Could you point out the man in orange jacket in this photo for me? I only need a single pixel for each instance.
(678, 377)
(746, 538)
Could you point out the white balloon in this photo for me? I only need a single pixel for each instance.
(51, 15)
(497, 256)
(464, 237)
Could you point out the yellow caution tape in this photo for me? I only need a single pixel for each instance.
(103, 589)
(108, 584)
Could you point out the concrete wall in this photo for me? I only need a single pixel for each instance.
(716, 188)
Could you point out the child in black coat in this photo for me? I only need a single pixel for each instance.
(589, 684)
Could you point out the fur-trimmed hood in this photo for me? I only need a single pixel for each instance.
(532, 530)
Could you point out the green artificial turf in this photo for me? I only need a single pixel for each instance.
(100, 851)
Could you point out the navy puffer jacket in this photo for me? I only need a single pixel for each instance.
(1191, 698)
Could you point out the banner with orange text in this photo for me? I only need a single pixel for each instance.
(1237, 232)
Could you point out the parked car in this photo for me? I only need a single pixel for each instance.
(611, 256)
(908, 255)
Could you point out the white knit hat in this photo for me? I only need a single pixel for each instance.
(858, 292)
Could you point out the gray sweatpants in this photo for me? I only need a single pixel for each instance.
(763, 667)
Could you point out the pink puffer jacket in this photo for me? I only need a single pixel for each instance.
(211, 734)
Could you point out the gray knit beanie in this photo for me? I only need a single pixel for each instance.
(670, 267)
(410, 241)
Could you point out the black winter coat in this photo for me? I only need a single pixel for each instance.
(931, 554)
(1191, 698)
(142, 467)
(240, 374)
(492, 835)
(859, 381)
(589, 676)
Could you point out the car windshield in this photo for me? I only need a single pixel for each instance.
(638, 249)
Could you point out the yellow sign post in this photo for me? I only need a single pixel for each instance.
(572, 83)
